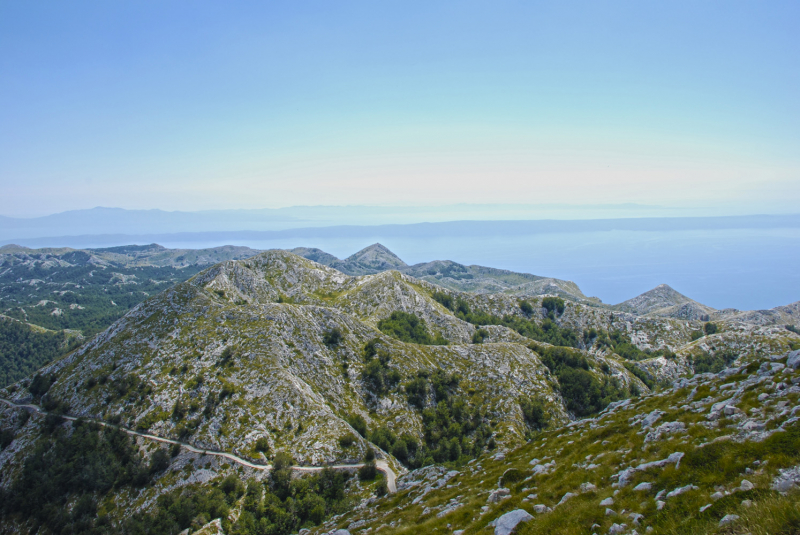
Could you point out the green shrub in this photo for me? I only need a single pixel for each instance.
(533, 410)
(696, 335)
(378, 377)
(479, 336)
(408, 328)
(368, 471)
(78, 467)
(262, 445)
(454, 427)
(226, 358)
(41, 384)
(583, 393)
(642, 375)
(332, 337)
(417, 389)
(358, 423)
(553, 305)
(159, 461)
(347, 440)
(443, 299)
(6, 438)
(512, 475)
(383, 438)
(712, 362)
(382, 489)
(24, 350)
(710, 328)
(526, 308)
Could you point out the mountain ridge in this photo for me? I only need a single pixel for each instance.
(276, 354)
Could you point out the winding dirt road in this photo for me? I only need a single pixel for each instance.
(381, 465)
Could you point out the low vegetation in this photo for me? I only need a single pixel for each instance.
(549, 331)
(409, 328)
(24, 349)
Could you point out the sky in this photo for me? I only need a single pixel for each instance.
(200, 105)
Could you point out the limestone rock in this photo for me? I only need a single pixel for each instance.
(505, 524)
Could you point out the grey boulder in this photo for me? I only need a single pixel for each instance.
(505, 524)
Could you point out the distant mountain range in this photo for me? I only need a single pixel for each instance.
(102, 220)
(661, 301)
(102, 227)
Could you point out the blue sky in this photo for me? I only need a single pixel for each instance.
(200, 105)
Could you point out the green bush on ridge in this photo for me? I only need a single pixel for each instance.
(409, 328)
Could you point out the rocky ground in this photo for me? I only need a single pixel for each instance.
(714, 453)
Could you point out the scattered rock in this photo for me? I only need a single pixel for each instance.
(626, 475)
(664, 429)
(753, 425)
(681, 490)
(706, 506)
(728, 519)
(499, 494)
(652, 418)
(588, 487)
(793, 361)
(506, 523)
(615, 529)
(746, 485)
(787, 479)
(541, 508)
(643, 487)
(566, 497)
(546, 468)
(607, 502)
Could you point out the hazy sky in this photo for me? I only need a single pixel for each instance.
(195, 105)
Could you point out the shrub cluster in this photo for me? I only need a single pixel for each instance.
(583, 392)
(409, 328)
(549, 331)
(377, 376)
(455, 429)
(78, 467)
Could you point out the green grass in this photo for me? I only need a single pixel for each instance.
(716, 465)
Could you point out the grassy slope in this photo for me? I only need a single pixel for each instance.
(718, 457)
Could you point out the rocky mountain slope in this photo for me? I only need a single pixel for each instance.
(277, 355)
(664, 301)
(452, 275)
(714, 453)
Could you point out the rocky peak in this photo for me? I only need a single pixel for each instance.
(376, 257)
(664, 300)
